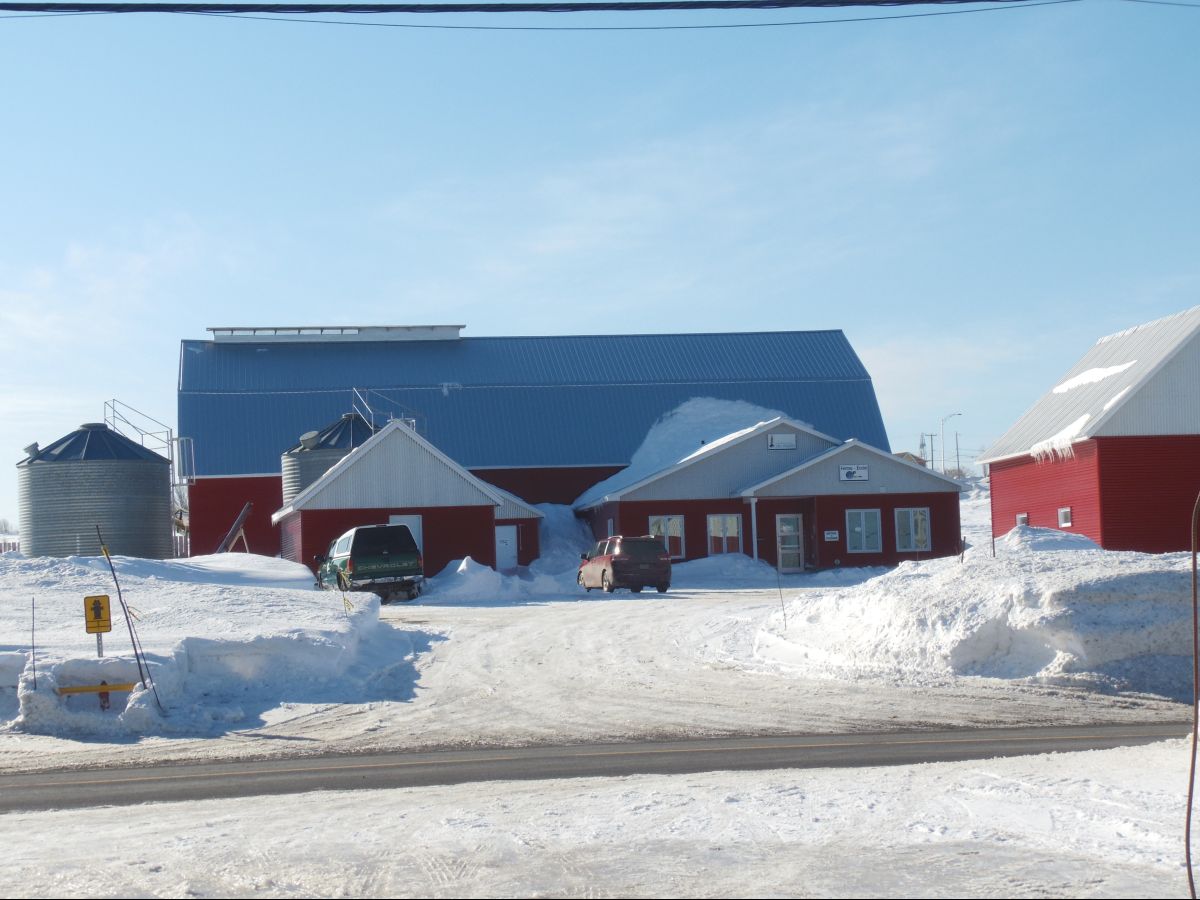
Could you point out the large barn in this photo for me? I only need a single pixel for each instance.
(1113, 450)
(543, 418)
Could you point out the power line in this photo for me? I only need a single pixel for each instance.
(946, 12)
(462, 7)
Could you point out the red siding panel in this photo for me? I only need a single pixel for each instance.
(549, 485)
(1148, 487)
(944, 526)
(214, 504)
(633, 517)
(448, 532)
(1040, 488)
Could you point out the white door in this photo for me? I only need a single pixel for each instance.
(414, 525)
(506, 548)
(789, 543)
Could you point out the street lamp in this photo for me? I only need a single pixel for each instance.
(944, 420)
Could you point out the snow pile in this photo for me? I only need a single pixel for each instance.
(680, 434)
(226, 638)
(1051, 607)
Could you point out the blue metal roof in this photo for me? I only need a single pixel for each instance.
(93, 441)
(511, 401)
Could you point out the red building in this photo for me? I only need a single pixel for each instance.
(1113, 450)
(399, 477)
(789, 495)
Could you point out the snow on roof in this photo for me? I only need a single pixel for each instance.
(690, 432)
(1096, 389)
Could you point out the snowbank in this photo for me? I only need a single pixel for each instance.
(225, 637)
(1051, 607)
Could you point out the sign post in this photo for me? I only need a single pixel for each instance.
(97, 618)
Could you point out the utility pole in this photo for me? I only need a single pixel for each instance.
(932, 435)
(943, 429)
(957, 458)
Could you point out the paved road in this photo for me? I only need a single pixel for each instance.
(79, 788)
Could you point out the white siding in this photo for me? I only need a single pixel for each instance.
(731, 468)
(397, 470)
(886, 476)
(1169, 403)
(1100, 387)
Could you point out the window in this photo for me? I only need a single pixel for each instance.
(862, 531)
(1064, 517)
(724, 534)
(343, 546)
(912, 530)
(670, 529)
(1022, 518)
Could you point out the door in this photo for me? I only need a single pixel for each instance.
(506, 548)
(789, 543)
(414, 525)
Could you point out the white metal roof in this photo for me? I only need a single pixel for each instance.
(1136, 382)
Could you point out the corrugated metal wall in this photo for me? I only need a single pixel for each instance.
(1148, 487)
(396, 471)
(61, 503)
(1041, 488)
(1167, 404)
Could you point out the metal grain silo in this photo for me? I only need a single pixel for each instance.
(318, 450)
(94, 476)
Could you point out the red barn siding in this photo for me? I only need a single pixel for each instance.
(1148, 487)
(944, 525)
(1040, 488)
(448, 532)
(633, 517)
(214, 504)
(553, 484)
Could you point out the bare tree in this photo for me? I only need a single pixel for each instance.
(7, 527)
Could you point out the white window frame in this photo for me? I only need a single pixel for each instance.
(1022, 518)
(682, 533)
(908, 511)
(850, 530)
(1064, 517)
(724, 537)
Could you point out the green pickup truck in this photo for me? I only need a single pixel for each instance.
(382, 559)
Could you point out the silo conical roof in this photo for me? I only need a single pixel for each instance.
(348, 432)
(93, 441)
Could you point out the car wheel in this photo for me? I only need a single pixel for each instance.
(662, 588)
(341, 583)
(636, 590)
(579, 581)
(605, 584)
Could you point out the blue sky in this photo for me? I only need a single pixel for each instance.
(973, 199)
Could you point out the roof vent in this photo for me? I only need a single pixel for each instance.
(309, 439)
(31, 450)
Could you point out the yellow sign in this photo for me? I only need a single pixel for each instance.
(95, 612)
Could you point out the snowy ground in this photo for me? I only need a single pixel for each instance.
(250, 661)
(1104, 823)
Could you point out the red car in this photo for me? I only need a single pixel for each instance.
(626, 562)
